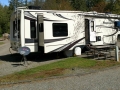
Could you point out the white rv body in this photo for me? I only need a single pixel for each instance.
(75, 27)
(103, 31)
(62, 31)
(55, 31)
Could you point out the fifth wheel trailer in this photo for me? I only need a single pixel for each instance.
(61, 31)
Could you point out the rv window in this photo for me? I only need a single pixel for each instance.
(98, 38)
(41, 27)
(60, 29)
(92, 25)
(33, 28)
(15, 23)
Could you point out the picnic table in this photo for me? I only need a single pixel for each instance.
(99, 50)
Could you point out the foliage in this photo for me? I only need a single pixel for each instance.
(116, 7)
(4, 19)
(79, 5)
(99, 7)
(112, 6)
(57, 5)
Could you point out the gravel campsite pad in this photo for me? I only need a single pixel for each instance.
(10, 63)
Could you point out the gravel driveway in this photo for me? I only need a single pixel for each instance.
(10, 63)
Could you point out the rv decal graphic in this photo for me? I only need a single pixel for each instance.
(54, 40)
(116, 30)
(61, 48)
(59, 15)
(67, 46)
(103, 26)
(50, 20)
(98, 16)
(47, 19)
(71, 45)
(112, 34)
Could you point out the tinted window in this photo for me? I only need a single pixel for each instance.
(33, 28)
(98, 38)
(92, 25)
(60, 29)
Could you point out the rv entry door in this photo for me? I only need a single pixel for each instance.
(90, 34)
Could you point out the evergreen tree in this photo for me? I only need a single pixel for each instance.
(4, 19)
(116, 7)
(99, 6)
(57, 5)
(79, 5)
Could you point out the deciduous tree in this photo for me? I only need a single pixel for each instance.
(57, 5)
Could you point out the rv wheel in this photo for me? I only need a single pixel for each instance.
(77, 51)
(68, 53)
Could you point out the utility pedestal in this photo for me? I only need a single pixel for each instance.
(116, 53)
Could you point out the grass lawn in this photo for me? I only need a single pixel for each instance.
(58, 68)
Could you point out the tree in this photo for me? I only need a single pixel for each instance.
(57, 5)
(17, 3)
(79, 5)
(113, 6)
(4, 19)
(50, 5)
(36, 2)
(116, 7)
(64, 5)
(99, 7)
(110, 5)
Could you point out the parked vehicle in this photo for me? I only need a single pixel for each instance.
(49, 31)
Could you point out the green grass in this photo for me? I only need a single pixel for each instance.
(58, 68)
(64, 64)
